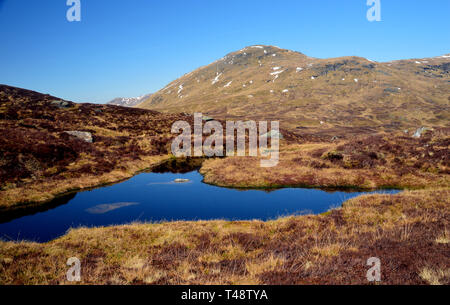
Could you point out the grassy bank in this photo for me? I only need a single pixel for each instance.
(42, 192)
(368, 162)
(409, 232)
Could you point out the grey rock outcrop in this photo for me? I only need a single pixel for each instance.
(82, 135)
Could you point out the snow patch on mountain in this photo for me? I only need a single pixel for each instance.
(129, 101)
(216, 79)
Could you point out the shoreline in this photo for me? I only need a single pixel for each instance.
(94, 182)
(38, 199)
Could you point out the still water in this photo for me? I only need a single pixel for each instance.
(154, 197)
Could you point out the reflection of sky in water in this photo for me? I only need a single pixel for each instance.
(151, 197)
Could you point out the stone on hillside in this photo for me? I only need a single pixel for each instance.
(207, 118)
(60, 104)
(273, 134)
(419, 132)
(82, 135)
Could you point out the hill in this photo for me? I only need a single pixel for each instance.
(49, 146)
(314, 95)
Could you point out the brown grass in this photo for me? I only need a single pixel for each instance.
(377, 161)
(32, 194)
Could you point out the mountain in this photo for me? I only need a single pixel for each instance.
(312, 94)
(128, 101)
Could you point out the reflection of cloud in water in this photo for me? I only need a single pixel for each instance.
(105, 208)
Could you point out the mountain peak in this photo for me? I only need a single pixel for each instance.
(262, 49)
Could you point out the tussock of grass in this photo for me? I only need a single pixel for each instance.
(435, 277)
(444, 238)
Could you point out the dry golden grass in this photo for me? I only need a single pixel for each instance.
(434, 277)
(444, 238)
(298, 167)
(41, 192)
(327, 249)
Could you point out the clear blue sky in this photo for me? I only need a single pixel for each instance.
(133, 47)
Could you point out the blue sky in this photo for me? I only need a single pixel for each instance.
(134, 47)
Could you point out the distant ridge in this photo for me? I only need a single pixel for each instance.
(128, 101)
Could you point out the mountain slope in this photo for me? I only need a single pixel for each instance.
(42, 153)
(305, 93)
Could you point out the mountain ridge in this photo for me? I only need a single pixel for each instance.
(129, 101)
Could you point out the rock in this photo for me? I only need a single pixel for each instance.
(272, 134)
(181, 180)
(82, 135)
(419, 132)
(60, 104)
(335, 138)
(207, 118)
(392, 90)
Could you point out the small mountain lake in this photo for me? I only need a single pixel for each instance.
(155, 197)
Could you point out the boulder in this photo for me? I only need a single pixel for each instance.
(60, 104)
(419, 132)
(181, 180)
(82, 135)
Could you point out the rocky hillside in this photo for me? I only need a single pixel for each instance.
(316, 95)
(49, 145)
(129, 101)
